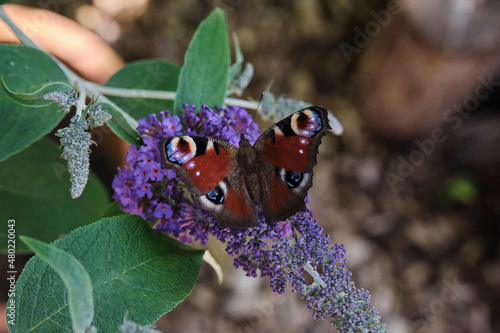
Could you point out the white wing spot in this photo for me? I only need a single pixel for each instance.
(277, 131)
(210, 146)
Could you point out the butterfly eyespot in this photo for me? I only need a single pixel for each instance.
(180, 150)
(216, 195)
(306, 123)
(293, 179)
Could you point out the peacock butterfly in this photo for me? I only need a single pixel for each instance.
(271, 177)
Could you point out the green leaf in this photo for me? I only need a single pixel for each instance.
(147, 74)
(122, 124)
(204, 75)
(35, 99)
(25, 69)
(34, 190)
(235, 68)
(239, 77)
(135, 271)
(75, 279)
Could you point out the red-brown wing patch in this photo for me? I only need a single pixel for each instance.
(207, 170)
(237, 205)
(287, 152)
(278, 194)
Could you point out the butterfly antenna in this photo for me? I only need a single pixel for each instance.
(247, 131)
(221, 120)
(258, 104)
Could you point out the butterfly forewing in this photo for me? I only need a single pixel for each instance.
(200, 162)
(293, 142)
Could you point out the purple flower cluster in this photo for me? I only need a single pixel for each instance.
(143, 188)
(332, 292)
(286, 251)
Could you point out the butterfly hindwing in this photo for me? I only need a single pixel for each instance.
(208, 168)
(288, 152)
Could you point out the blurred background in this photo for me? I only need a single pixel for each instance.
(412, 186)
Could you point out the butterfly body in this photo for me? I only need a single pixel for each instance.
(271, 177)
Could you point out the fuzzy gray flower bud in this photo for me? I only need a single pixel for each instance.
(97, 116)
(76, 150)
(65, 100)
